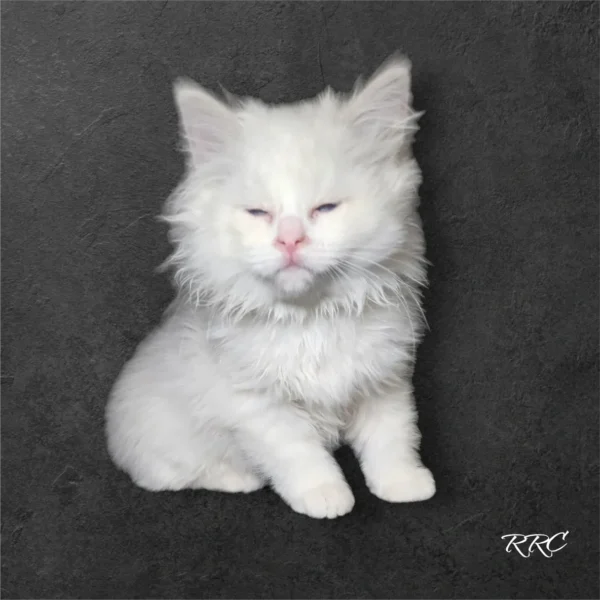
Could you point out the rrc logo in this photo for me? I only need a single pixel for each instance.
(526, 545)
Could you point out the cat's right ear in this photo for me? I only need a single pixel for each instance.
(208, 126)
(380, 110)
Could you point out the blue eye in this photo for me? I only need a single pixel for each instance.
(326, 207)
(257, 212)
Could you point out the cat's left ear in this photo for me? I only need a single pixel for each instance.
(380, 110)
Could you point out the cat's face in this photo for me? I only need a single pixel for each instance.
(300, 195)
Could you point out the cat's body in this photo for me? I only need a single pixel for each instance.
(296, 319)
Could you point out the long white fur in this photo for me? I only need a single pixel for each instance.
(257, 372)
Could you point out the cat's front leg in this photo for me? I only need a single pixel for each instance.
(281, 441)
(385, 436)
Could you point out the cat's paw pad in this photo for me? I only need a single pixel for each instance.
(326, 501)
(404, 484)
(227, 479)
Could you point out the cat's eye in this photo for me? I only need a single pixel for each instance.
(324, 208)
(257, 212)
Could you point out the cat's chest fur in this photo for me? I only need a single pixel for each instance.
(320, 361)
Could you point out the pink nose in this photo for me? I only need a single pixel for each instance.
(290, 234)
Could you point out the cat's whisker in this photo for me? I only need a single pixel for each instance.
(409, 289)
(398, 294)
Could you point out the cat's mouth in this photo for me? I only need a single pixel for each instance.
(293, 268)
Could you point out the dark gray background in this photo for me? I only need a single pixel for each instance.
(507, 380)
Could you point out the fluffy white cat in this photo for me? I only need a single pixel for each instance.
(299, 261)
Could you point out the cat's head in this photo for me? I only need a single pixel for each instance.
(285, 202)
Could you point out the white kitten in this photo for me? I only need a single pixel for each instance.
(298, 262)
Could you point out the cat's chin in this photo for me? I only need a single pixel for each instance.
(294, 281)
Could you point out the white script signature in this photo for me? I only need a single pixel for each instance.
(526, 545)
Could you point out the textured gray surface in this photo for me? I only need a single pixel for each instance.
(507, 379)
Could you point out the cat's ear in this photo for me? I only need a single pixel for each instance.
(231, 99)
(380, 110)
(208, 125)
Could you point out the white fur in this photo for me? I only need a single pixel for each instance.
(257, 372)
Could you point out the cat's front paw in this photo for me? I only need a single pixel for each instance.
(326, 501)
(405, 483)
